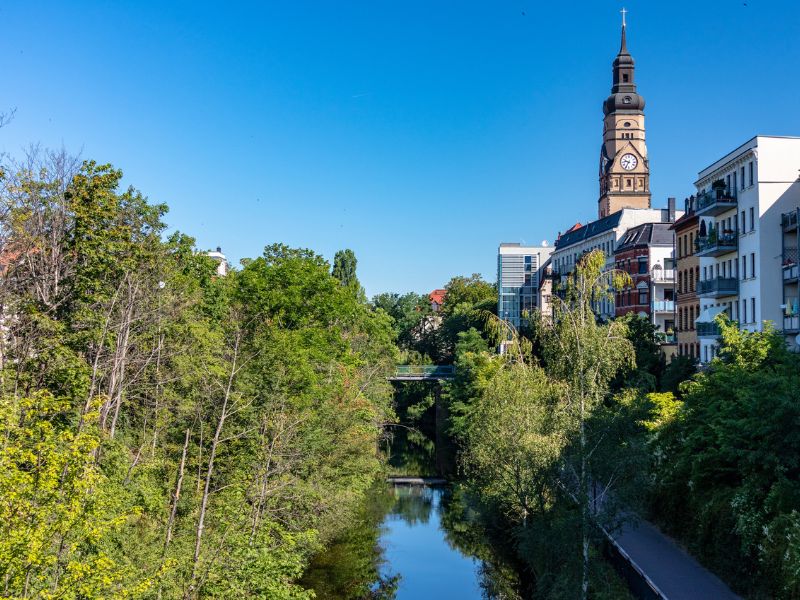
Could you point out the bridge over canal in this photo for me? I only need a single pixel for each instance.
(423, 373)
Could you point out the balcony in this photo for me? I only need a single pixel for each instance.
(717, 245)
(715, 202)
(790, 273)
(663, 275)
(718, 287)
(791, 324)
(789, 221)
(663, 306)
(707, 330)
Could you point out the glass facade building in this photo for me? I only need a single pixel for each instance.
(518, 280)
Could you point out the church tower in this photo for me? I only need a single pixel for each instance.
(624, 168)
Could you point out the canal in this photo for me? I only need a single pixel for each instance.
(414, 542)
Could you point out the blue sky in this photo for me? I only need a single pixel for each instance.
(420, 134)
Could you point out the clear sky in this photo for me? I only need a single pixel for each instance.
(418, 133)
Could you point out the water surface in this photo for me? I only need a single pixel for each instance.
(412, 543)
(417, 547)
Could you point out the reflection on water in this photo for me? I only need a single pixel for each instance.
(416, 546)
(410, 452)
(412, 542)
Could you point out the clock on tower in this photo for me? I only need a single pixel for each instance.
(624, 168)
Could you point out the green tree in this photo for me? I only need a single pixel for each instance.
(649, 362)
(58, 509)
(344, 267)
(586, 356)
(729, 464)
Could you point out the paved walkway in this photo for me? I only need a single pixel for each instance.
(677, 575)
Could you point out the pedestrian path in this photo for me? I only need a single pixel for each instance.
(675, 573)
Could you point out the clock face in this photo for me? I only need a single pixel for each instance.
(628, 162)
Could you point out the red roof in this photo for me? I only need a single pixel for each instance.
(437, 296)
(574, 227)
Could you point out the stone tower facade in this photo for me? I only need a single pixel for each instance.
(624, 168)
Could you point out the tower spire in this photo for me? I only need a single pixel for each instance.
(623, 47)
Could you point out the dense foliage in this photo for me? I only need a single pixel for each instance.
(727, 464)
(425, 335)
(546, 443)
(166, 432)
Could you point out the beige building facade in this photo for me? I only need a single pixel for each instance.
(687, 267)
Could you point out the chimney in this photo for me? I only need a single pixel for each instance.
(219, 249)
(671, 210)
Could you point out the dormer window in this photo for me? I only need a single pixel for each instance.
(626, 100)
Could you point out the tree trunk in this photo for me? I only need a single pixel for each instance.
(177, 495)
(210, 469)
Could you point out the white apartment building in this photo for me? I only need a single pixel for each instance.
(740, 200)
(603, 234)
(518, 269)
(222, 261)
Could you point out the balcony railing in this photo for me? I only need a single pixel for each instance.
(790, 272)
(718, 287)
(789, 221)
(707, 330)
(716, 201)
(663, 305)
(791, 324)
(663, 275)
(716, 245)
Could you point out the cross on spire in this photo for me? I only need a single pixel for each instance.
(623, 47)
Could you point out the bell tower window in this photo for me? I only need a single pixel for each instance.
(624, 78)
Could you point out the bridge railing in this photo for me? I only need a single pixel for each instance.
(425, 371)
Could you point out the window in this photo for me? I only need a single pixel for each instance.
(753, 308)
(733, 189)
(680, 283)
(744, 311)
(751, 172)
(752, 219)
(742, 227)
(642, 297)
(629, 182)
(741, 174)
(690, 251)
(744, 267)
(728, 181)
(753, 264)
(624, 78)
(642, 266)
